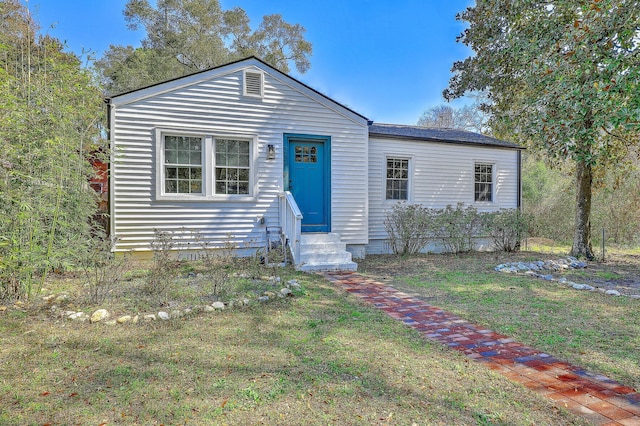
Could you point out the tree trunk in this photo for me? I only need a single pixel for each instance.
(582, 232)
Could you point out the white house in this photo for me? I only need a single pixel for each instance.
(242, 154)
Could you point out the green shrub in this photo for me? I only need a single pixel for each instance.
(102, 269)
(506, 228)
(409, 228)
(457, 227)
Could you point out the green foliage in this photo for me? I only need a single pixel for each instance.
(457, 227)
(50, 113)
(193, 35)
(548, 197)
(563, 78)
(101, 268)
(164, 268)
(409, 228)
(507, 228)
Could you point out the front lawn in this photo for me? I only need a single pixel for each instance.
(587, 328)
(320, 357)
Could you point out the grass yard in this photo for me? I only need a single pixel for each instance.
(590, 329)
(318, 358)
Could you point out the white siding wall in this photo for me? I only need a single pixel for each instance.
(216, 106)
(441, 174)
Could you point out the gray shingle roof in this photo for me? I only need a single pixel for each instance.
(432, 134)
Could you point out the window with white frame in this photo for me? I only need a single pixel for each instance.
(182, 164)
(196, 166)
(483, 186)
(232, 165)
(397, 180)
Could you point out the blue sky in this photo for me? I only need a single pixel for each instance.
(387, 60)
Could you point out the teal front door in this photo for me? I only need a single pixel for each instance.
(308, 170)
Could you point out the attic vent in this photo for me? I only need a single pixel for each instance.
(253, 84)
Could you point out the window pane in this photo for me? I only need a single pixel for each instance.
(171, 172)
(170, 186)
(196, 187)
(171, 157)
(221, 174)
(243, 174)
(233, 166)
(397, 186)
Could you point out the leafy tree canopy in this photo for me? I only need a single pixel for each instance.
(563, 77)
(469, 117)
(186, 36)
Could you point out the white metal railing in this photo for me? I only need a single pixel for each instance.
(291, 222)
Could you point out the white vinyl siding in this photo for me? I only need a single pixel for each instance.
(214, 105)
(441, 174)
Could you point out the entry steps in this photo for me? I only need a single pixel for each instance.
(324, 252)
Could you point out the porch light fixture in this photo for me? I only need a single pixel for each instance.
(271, 152)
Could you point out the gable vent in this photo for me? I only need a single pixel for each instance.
(253, 84)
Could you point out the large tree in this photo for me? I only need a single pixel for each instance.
(563, 77)
(470, 117)
(186, 36)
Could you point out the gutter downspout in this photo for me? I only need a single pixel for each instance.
(109, 174)
(519, 200)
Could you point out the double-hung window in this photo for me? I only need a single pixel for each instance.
(397, 180)
(483, 182)
(182, 164)
(232, 163)
(196, 167)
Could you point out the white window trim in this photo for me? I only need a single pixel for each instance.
(494, 167)
(244, 83)
(208, 140)
(409, 183)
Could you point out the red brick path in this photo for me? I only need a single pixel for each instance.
(601, 400)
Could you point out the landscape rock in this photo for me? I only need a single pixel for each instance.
(612, 292)
(124, 319)
(294, 284)
(135, 319)
(149, 317)
(75, 316)
(263, 299)
(218, 305)
(110, 322)
(99, 315)
(61, 298)
(208, 308)
(285, 292)
(163, 315)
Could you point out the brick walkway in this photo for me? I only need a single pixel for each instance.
(601, 400)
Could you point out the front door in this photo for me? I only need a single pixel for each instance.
(308, 167)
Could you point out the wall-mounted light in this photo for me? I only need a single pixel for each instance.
(271, 152)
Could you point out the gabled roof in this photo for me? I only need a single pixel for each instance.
(432, 134)
(188, 79)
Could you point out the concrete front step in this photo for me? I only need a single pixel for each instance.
(324, 252)
(323, 267)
